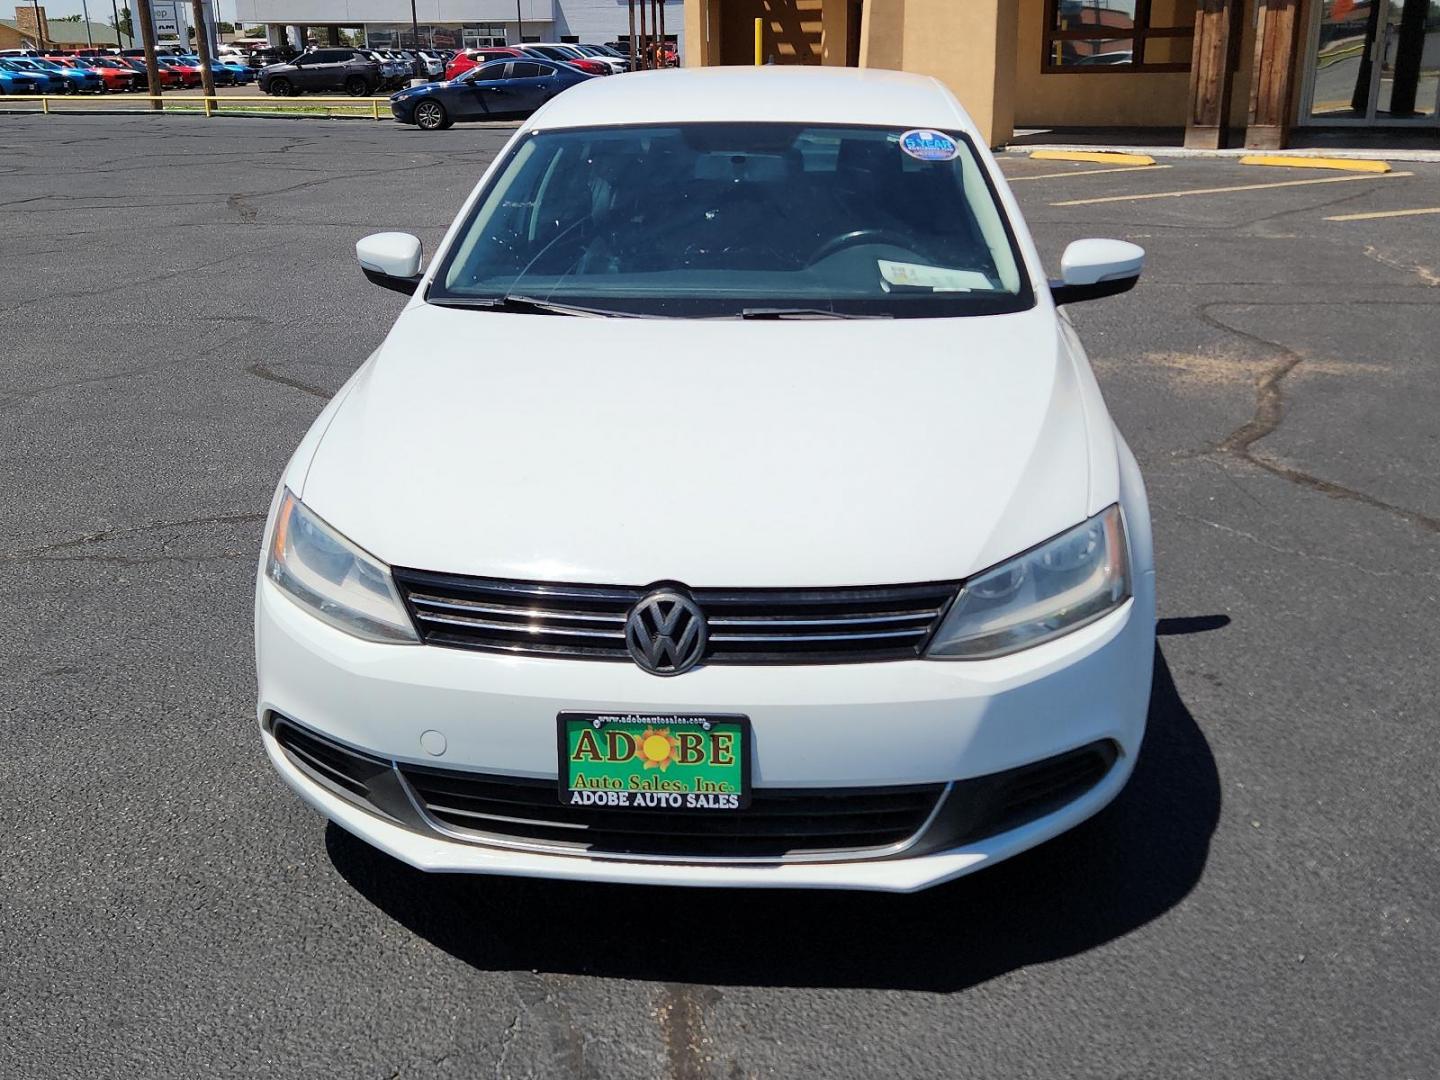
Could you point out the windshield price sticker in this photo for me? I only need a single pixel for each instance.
(657, 762)
(926, 145)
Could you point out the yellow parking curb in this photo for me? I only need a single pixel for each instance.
(1104, 157)
(1289, 162)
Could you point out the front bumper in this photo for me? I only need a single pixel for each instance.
(909, 722)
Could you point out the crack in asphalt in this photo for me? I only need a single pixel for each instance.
(106, 535)
(1270, 413)
(1428, 276)
(682, 1025)
(263, 371)
(1230, 530)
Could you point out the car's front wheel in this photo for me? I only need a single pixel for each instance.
(281, 88)
(430, 115)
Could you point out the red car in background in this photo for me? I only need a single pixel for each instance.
(116, 76)
(189, 73)
(466, 59)
(168, 77)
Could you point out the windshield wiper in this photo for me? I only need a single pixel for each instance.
(801, 313)
(528, 305)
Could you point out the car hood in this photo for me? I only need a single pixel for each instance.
(717, 453)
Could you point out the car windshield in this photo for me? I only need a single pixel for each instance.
(725, 220)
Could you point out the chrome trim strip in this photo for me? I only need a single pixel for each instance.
(481, 624)
(820, 620)
(554, 592)
(529, 613)
(864, 635)
(509, 844)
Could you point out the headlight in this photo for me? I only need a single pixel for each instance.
(1066, 582)
(334, 579)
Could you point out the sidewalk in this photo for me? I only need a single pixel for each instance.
(1392, 144)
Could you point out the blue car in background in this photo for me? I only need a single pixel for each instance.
(242, 74)
(503, 89)
(18, 79)
(221, 75)
(74, 80)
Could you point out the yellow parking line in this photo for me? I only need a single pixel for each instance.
(1384, 213)
(1232, 187)
(1088, 172)
(1295, 161)
(1102, 157)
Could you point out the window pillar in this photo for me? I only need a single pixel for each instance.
(1218, 29)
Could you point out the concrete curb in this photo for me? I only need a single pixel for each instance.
(1182, 152)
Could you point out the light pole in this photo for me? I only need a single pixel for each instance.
(40, 31)
(519, 25)
(415, 38)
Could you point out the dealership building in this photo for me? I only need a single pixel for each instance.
(1225, 72)
(449, 24)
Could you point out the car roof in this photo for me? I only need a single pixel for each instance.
(771, 93)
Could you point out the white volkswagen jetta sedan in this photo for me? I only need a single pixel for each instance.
(730, 505)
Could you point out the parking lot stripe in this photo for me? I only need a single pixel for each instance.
(1087, 172)
(1102, 157)
(1384, 213)
(1288, 161)
(1233, 187)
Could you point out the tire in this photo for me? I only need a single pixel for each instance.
(281, 88)
(430, 115)
(355, 86)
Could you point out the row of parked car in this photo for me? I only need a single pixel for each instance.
(99, 73)
(348, 70)
(364, 71)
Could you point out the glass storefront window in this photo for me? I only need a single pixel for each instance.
(1375, 62)
(1118, 35)
(480, 35)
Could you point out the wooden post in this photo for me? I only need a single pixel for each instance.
(1218, 28)
(141, 11)
(1272, 82)
(664, 49)
(634, 64)
(202, 40)
(644, 41)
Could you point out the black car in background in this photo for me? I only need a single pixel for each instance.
(271, 54)
(347, 71)
(500, 90)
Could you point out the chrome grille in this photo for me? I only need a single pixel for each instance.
(747, 626)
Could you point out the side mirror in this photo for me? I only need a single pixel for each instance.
(1091, 269)
(391, 260)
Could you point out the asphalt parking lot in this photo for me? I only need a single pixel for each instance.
(179, 297)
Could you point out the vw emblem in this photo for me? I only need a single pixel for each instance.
(666, 632)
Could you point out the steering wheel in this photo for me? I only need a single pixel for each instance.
(858, 236)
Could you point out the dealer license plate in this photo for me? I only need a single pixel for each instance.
(655, 761)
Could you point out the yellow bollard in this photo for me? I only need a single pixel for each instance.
(375, 108)
(45, 105)
(759, 42)
(207, 108)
